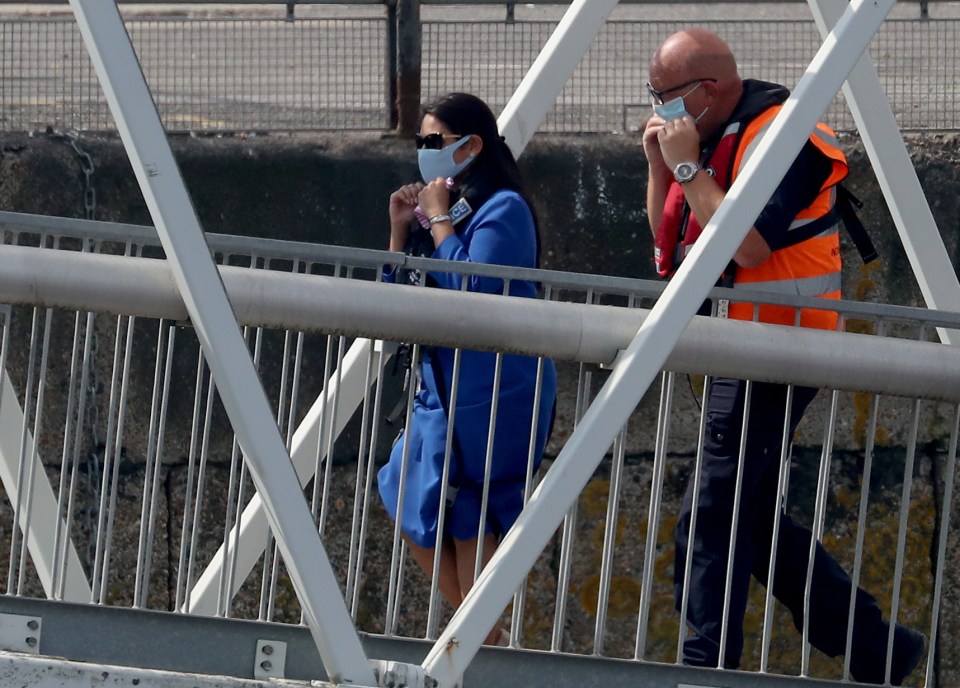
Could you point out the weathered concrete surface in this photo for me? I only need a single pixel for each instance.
(589, 195)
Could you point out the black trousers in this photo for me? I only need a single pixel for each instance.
(831, 586)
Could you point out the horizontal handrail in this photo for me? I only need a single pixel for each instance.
(279, 249)
(565, 331)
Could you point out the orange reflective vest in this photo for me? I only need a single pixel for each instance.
(807, 264)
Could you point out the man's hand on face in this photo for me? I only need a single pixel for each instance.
(651, 145)
(679, 141)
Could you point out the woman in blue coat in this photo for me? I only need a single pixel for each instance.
(473, 203)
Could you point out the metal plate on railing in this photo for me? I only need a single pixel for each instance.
(20, 633)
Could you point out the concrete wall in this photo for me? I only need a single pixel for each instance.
(588, 190)
(589, 194)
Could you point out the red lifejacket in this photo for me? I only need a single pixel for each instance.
(807, 266)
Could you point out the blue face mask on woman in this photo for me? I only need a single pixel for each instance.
(439, 163)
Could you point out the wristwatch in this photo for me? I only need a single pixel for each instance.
(686, 171)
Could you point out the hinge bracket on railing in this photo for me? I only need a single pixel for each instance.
(20, 633)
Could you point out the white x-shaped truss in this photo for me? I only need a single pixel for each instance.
(842, 61)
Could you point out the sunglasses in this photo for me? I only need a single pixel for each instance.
(433, 141)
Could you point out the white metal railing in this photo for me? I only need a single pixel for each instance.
(571, 606)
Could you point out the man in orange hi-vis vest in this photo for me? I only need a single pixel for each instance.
(706, 123)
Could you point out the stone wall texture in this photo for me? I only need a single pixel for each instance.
(589, 195)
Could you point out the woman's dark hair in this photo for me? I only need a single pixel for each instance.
(464, 114)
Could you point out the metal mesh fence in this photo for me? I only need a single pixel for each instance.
(243, 74)
(915, 59)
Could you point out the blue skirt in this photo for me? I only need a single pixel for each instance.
(426, 438)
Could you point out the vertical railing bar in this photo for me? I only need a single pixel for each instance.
(289, 379)
(653, 517)
(735, 521)
(60, 536)
(274, 577)
(609, 540)
(121, 415)
(158, 464)
(235, 501)
(181, 590)
(569, 525)
(358, 496)
(201, 475)
(945, 514)
(161, 356)
(32, 464)
(584, 382)
(782, 480)
(295, 387)
(819, 515)
(520, 596)
(433, 607)
(78, 410)
(695, 490)
(401, 569)
(488, 459)
(22, 454)
(331, 436)
(282, 408)
(266, 575)
(368, 487)
(4, 348)
(861, 526)
(323, 427)
(902, 533)
(397, 549)
(268, 581)
(284, 382)
(112, 451)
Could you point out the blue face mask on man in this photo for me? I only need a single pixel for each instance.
(439, 163)
(675, 108)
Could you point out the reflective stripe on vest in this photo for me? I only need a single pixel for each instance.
(810, 267)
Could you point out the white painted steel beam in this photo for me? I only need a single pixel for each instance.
(649, 350)
(564, 331)
(348, 394)
(936, 274)
(240, 390)
(549, 73)
(41, 539)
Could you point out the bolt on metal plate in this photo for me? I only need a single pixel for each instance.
(270, 660)
(20, 633)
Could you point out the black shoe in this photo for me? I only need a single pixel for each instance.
(909, 646)
(908, 650)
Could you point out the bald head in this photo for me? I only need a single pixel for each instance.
(694, 54)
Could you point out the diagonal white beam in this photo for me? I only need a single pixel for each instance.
(550, 72)
(897, 176)
(347, 394)
(643, 359)
(41, 540)
(203, 293)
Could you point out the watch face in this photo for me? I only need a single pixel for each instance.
(685, 171)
